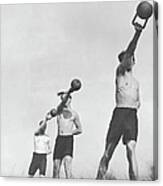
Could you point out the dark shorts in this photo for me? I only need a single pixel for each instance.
(39, 161)
(63, 147)
(124, 123)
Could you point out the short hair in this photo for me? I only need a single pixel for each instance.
(121, 56)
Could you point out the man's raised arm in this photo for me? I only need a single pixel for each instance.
(63, 102)
(125, 56)
(132, 45)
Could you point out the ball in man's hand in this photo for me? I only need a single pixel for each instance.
(144, 10)
(75, 84)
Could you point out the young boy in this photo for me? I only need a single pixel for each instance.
(41, 150)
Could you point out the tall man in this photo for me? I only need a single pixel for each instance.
(124, 120)
(68, 125)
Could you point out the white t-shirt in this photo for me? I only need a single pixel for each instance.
(41, 144)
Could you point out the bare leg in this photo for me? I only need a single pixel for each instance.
(68, 166)
(103, 167)
(42, 168)
(131, 156)
(56, 168)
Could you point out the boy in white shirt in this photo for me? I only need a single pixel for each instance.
(41, 150)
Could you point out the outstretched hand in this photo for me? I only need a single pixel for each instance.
(52, 113)
(138, 27)
(48, 117)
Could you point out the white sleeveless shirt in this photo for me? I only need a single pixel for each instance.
(41, 143)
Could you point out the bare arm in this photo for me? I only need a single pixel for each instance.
(138, 98)
(77, 123)
(41, 127)
(54, 112)
(132, 45)
(51, 114)
(63, 102)
(125, 58)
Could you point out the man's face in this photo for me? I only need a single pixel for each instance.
(132, 61)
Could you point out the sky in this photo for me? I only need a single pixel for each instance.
(44, 47)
